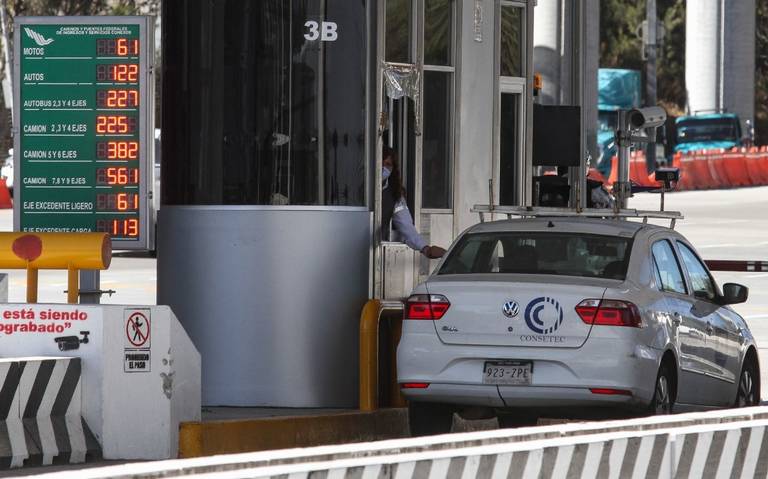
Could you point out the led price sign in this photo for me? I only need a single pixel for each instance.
(84, 127)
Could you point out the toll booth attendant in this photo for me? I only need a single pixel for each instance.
(395, 210)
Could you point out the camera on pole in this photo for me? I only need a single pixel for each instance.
(650, 117)
(631, 122)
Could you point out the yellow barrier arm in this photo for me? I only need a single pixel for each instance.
(69, 251)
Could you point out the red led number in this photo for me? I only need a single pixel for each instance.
(117, 202)
(117, 46)
(115, 124)
(117, 98)
(118, 72)
(128, 227)
(119, 227)
(117, 150)
(117, 175)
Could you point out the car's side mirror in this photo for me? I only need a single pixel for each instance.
(734, 293)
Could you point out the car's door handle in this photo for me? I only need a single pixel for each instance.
(677, 319)
(710, 329)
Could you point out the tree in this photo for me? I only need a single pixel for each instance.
(621, 45)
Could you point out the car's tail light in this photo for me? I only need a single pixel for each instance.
(414, 385)
(609, 312)
(426, 306)
(610, 391)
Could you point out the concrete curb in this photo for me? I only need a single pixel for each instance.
(209, 438)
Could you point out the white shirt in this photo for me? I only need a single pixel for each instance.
(402, 221)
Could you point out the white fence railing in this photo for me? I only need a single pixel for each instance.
(731, 443)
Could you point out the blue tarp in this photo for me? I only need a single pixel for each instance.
(618, 89)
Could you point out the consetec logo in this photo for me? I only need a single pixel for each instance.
(544, 315)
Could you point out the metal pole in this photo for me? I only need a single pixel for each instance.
(90, 286)
(623, 143)
(650, 75)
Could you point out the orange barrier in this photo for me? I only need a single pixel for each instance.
(638, 170)
(717, 172)
(736, 166)
(758, 161)
(614, 176)
(701, 173)
(594, 174)
(722, 169)
(5, 195)
(702, 170)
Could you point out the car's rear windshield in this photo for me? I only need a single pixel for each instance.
(572, 254)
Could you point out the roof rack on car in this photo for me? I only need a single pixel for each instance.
(542, 211)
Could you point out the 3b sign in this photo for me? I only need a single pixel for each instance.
(324, 31)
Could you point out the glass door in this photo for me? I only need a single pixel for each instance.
(508, 168)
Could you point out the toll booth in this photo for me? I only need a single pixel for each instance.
(274, 116)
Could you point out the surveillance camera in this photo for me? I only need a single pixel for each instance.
(650, 117)
(67, 343)
(667, 175)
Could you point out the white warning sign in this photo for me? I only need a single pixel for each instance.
(137, 361)
(138, 328)
(137, 341)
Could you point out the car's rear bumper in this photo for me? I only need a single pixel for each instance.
(561, 377)
(535, 397)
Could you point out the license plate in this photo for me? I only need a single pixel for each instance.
(508, 372)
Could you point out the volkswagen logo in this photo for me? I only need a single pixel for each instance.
(510, 309)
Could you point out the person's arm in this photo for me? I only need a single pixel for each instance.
(403, 223)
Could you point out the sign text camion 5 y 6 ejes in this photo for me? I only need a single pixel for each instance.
(84, 127)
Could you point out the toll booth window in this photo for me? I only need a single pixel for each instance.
(511, 51)
(508, 152)
(436, 151)
(264, 106)
(438, 32)
(398, 31)
(439, 74)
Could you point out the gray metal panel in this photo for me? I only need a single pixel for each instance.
(271, 297)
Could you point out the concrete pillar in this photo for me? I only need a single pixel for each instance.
(720, 56)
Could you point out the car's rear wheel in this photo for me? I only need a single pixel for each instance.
(664, 393)
(748, 391)
(427, 418)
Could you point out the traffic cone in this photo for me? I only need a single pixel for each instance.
(5, 195)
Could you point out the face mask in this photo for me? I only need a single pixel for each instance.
(385, 172)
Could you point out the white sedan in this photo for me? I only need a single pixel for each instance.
(531, 316)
